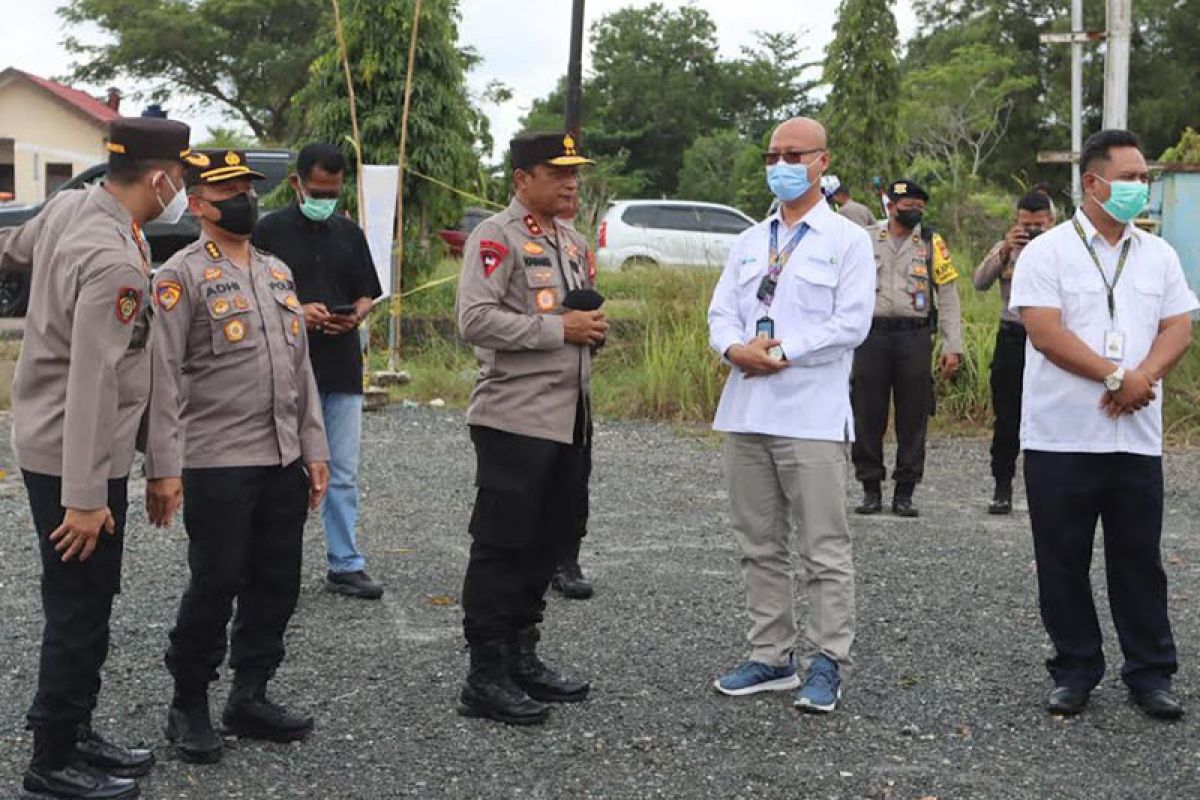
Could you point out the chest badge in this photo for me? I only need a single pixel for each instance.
(533, 248)
(546, 300)
(278, 274)
(235, 330)
(241, 303)
(129, 300)
(295, 326)
(220, 306)
(212, 273)
(291, 301)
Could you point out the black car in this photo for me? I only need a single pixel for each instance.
(165, 240)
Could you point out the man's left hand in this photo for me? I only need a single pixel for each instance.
(318, 480)
(338, 324)
(950, 362)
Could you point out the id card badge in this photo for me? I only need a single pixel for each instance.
(1114, 345)
(765, 329)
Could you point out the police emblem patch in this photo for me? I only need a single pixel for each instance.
(212, 273)
(235, 330)
(546, 300)
(491, 253)
(241, 303)
(220, 306)
(129, 300)
(167, 294)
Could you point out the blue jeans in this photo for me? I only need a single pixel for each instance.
(339, 512)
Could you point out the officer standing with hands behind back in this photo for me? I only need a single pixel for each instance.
(915, 289)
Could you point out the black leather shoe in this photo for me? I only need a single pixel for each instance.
(250, 715)
(490, 692)
(1002, 499)
(568, 581)
(1067, 701)
(111, 758)
(1158, 703)
(353, 584)
(902, 501)
(539, 681)
(190, 729)
(872, 502)
(76, 781)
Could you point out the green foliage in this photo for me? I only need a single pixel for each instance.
(248, 57)
(443, 125)
(222, 137)
(863, 108)
(707, 167)
(1186, 150)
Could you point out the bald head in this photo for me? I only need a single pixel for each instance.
(799, 133)
(796, 159)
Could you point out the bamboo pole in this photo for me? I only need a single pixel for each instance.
(394, 325)
(357, 139)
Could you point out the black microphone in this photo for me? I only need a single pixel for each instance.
(583, 300)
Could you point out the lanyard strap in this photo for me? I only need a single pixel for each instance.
(777, 260)
(1110, 287)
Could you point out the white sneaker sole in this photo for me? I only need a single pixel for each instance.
(777, 685)
(806, 705)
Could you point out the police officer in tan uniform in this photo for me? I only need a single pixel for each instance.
(915, 289)
(235, 428)
(80, 391)
(526, 303)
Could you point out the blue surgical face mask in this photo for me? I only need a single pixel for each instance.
(1126, 199)
(788, 181)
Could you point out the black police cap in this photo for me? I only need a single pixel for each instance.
(557, 149)
(147, 138)
(898, 190)
(215, 166)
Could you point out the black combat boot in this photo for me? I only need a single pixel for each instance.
(190, 728)
(58, 773)
(1002, 499)
(568, 579)
(872, 502)
(902, 500)
(490, 692)
(250, 715)
(538, 680)
(124, 762)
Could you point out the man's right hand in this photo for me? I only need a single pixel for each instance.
(1014, 240)
(79, 531)
(753, 359)
(585, 328)
(163, 498)
(315, 315)
(1137, 392)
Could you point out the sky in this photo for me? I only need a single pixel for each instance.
(516, 48)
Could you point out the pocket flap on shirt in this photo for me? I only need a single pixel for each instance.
(1149, 283)
(818, 270)
(540, 277)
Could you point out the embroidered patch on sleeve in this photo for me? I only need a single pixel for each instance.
(129, 300)
(491, 253)
(943, 268)
(167, 294)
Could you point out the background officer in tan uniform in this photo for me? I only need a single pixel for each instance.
(529, 423)
(81, 387)
(915, 285)
(234, 412)
(851, 209)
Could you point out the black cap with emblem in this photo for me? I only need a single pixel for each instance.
(147, 139)
(557, 149)
(897, 190)
(215, 166)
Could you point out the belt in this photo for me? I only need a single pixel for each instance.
(897, 324)
(1011, 328)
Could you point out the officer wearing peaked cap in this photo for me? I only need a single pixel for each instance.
(235, 430)
(915, 293)
(526, 302)
(81, 387)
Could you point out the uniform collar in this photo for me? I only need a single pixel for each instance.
(110, 205)
(214, 254)
(1091, 232)
(817, 217)
(517, 210)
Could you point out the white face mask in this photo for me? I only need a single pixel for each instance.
(172, 212)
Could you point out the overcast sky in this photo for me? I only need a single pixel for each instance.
(521, 50)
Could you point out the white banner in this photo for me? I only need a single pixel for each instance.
(380, 184)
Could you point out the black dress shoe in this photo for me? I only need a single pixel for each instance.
(190, 729)
(77, 781)
(250, 715)
(540, 681)
(872, 502)
(1002, 499)
(1158, 703)
(568, 581)
(902, 501)
(353, 584)
(111, 758)
(1067, 701)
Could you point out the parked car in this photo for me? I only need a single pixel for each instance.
(456, 237)
(165, 240)
(667, 233)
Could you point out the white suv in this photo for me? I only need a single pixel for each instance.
(674, 233)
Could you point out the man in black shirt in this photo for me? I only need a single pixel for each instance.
(336, 282)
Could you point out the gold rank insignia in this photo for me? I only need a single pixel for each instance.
(278, 274)
(212, 274)
(533, 248)
(235, 330)
(198, 159)
(232, 158)
(220, 306)
(129, 300)
(546, 300)
(569, 145)
(241, 303)
(213, 251)
(167, 294)
(532, 225)
(291, 301)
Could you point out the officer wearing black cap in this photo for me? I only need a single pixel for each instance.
(81, 387)
(234, 427)
(915, 292)
(526, 302)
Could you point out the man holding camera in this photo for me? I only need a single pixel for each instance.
(1035, 214)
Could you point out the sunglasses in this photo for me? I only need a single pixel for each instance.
(772, 157)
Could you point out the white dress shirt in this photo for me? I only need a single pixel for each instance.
(822, 311)
(1060, 411)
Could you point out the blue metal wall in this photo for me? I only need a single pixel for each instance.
(1175, 206)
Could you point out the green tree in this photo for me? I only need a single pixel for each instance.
(1186, 150)
(443, 125)
(862, 111)
(767, 84)
(229, 138)
(247, 57)
(708, 168)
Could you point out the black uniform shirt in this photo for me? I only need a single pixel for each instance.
(332, 265)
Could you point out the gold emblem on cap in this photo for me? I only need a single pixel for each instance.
(115, 147)
(900, 188)
(232, 159)
(569, 145)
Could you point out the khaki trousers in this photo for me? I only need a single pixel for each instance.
(777, 483)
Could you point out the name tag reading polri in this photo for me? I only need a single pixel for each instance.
(1114, 345)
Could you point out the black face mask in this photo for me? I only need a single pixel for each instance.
(910, 217)
(238, 213)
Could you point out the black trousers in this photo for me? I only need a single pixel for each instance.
(892, 364)
(531, 496)
(77, 599)
(1007, 378)
(245, 528)
(1067, 493)
(568, 551)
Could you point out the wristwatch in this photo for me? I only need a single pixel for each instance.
(1114, 382)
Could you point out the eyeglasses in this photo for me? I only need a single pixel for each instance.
(772, 157)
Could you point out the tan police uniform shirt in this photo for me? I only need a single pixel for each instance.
(232, 386)
(903, 271)
(509, 308)
(858, 213)
(83, 377)
(994, 268)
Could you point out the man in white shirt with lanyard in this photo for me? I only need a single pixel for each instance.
(1107, 311)
(793, 302)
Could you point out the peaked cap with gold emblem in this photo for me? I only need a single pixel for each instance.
(215, 166)
(557, 149)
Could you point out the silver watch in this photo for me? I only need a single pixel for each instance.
(1114, 382)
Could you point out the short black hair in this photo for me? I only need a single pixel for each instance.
(1098, 145)
(1034, 202)
(127, 171)
(320, 154)
(841, 189)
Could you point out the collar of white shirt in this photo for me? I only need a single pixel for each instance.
(1093, 234)
(817, 217)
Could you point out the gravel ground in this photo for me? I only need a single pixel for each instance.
(945, 699)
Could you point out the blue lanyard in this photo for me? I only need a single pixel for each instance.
(777, 260)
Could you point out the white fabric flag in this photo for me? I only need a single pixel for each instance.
(380, 184)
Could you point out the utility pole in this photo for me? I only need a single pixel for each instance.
(1076, 99)
(575, 72)
(1116, 64)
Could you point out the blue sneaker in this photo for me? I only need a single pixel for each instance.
(822, 686)
(752, 677)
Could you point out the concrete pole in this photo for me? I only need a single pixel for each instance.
(575, 71)
(1116, 64)
(1076, 98)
